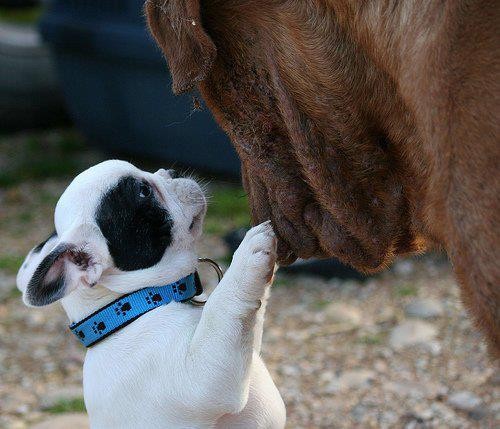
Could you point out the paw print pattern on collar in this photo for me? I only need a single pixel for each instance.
(128, 308)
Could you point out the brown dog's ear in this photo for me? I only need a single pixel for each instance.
(176, 26)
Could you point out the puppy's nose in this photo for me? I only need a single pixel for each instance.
(173, 174)
(167, 174)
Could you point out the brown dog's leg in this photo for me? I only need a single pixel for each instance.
(481, 297)
(473, 206)
(473, 190)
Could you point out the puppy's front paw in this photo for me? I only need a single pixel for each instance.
(255, 258)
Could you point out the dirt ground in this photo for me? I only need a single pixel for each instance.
(394, 351)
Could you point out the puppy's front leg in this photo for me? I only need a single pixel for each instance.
(223, 344)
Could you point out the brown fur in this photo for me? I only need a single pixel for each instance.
(366, 129)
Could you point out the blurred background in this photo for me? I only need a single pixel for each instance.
(82, 81)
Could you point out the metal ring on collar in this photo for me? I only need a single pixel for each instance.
(216, 268)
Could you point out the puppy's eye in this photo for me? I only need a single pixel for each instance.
(145, 190)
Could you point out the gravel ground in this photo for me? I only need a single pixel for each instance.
(395, 351)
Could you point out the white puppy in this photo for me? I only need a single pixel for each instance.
(124, 248)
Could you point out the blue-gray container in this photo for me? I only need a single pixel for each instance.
(118, 89)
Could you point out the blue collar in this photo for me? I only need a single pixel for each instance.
(127, 308)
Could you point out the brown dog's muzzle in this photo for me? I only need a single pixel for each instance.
(316, 169)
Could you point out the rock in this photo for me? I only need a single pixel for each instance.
(464, 401)
(64, 421)
(380, 366)
(478, 413)
(424, 308)
(14, 401)
(19, 424)
(385, 314)
(495, 410)
(22, 409)
(358, 413)
(410, 333)
(433, 347)
(414, 389)
(426, 414)
(355, 379)
(55, 396)
(290, 370)
(442, 412)
(404, 389)
(404, 267)
(389, 419)
(338, 312)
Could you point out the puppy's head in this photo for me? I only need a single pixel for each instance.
(117, 226)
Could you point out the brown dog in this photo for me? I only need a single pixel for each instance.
(366, 129)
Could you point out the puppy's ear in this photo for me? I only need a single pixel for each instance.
(176, 26)
(33, 259)
(59, 267)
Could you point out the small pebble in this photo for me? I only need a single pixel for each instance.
(424, 308)
(338, 312)
(410, 333)
(355, 379)
(464, 401)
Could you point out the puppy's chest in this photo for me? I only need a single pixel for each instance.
(141, 359)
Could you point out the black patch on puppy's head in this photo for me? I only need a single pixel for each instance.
(137, 228)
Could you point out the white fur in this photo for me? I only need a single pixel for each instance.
(178, 366)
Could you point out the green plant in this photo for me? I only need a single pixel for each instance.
(11, 263)
(227, 210)
(20, 16)
(371, 339)
(406, 290)
(40, 156)
(76, 405)
(320, 304)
